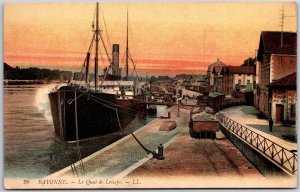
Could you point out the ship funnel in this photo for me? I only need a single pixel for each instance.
(115, 54)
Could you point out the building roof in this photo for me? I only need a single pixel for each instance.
(237, 70)
(217, 69)
(289, 81)
(215, 64)
(199, 77)
(270, 42)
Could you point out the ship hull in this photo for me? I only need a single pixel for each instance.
(96, 113)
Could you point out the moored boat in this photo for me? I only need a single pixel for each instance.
(82, 108)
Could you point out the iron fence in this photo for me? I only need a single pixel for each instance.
(283, 157)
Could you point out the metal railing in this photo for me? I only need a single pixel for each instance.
(284, 158)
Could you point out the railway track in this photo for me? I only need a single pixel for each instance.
(205, 144)
(209, 159)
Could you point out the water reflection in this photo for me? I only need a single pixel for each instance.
(31, 148)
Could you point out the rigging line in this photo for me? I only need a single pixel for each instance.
(77, 136)
(73, 168)
(120, 123)
(103, 104)
(60, 126)
(81, 53)
(87, 61)
(81, 162)
(87, 78)
(154, 154)
(147, 150)
(109, 59)
(134, 66)
(105, 74)
(106, 69)
(102, 59)
(112, 103)
(103, 43)
(79, 57)
(120, 106)
(90, 48)
(122, 61)
(69, 102)
(109, 44)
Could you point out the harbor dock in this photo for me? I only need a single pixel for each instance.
(188, 162)
(126, 152)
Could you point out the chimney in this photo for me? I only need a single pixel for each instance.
(115, 54)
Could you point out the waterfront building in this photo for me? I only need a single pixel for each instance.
(237, 78)
(218, 79)
(277, 57)
(256, 81)
(283, 96)
(210, 75)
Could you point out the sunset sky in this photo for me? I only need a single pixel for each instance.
(164, 38)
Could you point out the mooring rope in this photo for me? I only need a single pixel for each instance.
(120, 106)
(143, 147)
(121, 129)
(77, 136)
(73, 167)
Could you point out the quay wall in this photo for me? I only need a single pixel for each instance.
(262, 163)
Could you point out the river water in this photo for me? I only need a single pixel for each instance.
(31, 148)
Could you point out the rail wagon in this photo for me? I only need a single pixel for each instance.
(203, 125)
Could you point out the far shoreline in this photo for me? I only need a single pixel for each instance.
(26, 82)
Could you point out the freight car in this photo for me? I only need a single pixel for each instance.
(203, 125)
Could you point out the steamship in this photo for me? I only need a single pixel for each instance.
(89, 107)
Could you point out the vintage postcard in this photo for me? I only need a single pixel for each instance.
(101, 95)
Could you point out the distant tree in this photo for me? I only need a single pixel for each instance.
(152, 80)
(7, 67)
(249, 62)
(34, 73)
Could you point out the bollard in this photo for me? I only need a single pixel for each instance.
(160, 152)
(169, 114)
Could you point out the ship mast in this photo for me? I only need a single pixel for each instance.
(97, 45)
(127, 48)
